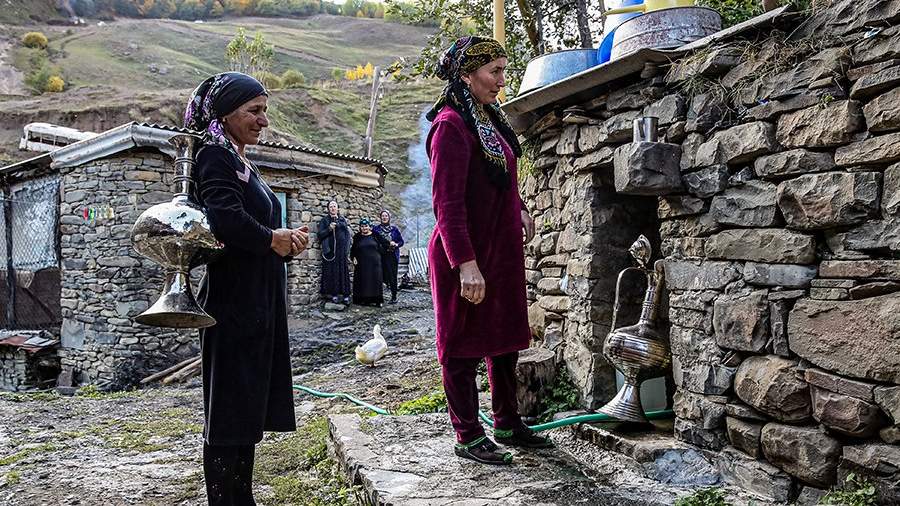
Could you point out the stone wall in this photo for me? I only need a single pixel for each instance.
(105, 282)
(777, 195)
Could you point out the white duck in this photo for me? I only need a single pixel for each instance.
(373, 349)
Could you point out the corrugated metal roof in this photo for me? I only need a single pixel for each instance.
(366, 172)
(281, 145)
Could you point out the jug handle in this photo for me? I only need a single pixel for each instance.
(612, 325)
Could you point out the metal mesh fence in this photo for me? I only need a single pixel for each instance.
(29, 256)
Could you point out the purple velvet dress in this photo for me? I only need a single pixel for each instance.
(475, 220)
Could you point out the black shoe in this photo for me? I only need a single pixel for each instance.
(336, 300)
(522, 437)
(346, 301)
(393, 300)
(483, 450)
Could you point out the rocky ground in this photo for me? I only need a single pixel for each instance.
(143, 447)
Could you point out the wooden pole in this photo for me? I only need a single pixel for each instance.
(373, 111)
(170, 370)
(500, 33)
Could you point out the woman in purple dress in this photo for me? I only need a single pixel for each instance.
(476, 253)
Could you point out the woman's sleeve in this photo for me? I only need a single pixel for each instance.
(450, 154)
(353, 247)
(223, 196)
(324, 230)
(398, 237)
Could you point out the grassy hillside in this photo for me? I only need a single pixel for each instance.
(143, 70)
(20, 12)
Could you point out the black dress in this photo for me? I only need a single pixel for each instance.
(335, 251)
(367, 278)
(246, 358)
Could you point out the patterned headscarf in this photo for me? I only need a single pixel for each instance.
(487, 121)
(216, 97)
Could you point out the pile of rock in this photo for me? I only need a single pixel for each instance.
(778, 205)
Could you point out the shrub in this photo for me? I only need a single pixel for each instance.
(704, 497)
(855, 491)
(292, 79)
(270, 81)
(37, 79)
(55, 84)
(35, 40)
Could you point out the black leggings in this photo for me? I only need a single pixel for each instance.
(228, 471)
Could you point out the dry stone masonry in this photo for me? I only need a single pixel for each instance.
(776, 206)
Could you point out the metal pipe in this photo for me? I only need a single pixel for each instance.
(645, 129)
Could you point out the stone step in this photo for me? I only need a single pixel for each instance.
(409, 460)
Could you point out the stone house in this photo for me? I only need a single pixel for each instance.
(773, 197)
(71, 215)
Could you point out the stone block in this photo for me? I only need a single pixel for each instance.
(829, 334)
(738, 144)
(791, 163)
(874, 235)
(744, 412)
(619, 127)
(591, 138)
(847, 415)
(673, 206)
(756, 476)
(741, 321)
(880, 150)
(774, 386)
(716, 63)
(744, 436)
(845, 386)
(690, 226)
(786, 275)
(875, 83)
(555, 303)
(694, 345)
(818, 127)
(668, 110)
(707, 411)
(702, 377)
(888, 398)
(890, 197)
(647, 168)
(875, 289)
(689, 148)
(683, 247)
(749, 205)
(888, 270)
(877, 463)
(882, 113)
(568, 141)
(600, 158)
(806, 453)
(685, 275)
(890, 435)
(830, 199)
(695, 434)
(868, 51)
(706, 110)
(774, 108)
(766, 245)
(550, 286)
(707, 182)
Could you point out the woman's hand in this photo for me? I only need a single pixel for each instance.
(283, 241)
(299, 240)
(527, 226)
(332, 226)
(471, 282)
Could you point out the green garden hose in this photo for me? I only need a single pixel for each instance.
(591, 418)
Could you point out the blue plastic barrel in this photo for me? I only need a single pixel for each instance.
(612, 22)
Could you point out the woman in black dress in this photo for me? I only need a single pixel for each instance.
(334, 235)
(246, 360)
(366, 253)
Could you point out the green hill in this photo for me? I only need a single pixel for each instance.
(144, 70)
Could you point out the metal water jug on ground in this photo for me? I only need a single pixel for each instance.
(638, 351)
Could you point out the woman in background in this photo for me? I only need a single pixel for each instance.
(334, 235)
(390, 259)
(367, 278)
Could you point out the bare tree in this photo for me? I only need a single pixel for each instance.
(584, 29)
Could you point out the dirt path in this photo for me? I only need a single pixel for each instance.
(12, 82)
(143, 447)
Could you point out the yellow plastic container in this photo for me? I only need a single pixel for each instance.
(651, 5)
